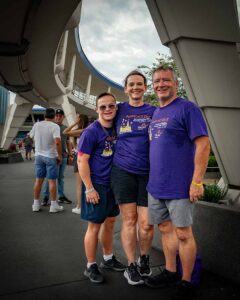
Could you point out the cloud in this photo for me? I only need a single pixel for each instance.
(117, 36)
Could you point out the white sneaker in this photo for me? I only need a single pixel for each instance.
(36, 207)
(76, 210)
(55, 208)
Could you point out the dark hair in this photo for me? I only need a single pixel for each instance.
(50, 113)
(103, 95)
(134, 72)
(83, 122)
(165, 68)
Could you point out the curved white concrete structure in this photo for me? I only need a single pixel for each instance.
(41, 60)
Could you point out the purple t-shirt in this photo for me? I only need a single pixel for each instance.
(172, 133)
(98, 142)
(132, 147)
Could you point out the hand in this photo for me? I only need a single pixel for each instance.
(70, 160)
(59, 160)
(93, 197)
(195, 193)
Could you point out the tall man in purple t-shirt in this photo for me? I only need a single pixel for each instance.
(95, 154)
(179, 150)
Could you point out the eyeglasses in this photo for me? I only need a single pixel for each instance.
(104, 107)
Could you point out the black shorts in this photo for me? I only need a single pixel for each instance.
(129, 187)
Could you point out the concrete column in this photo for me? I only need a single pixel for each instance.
(88, 89)
(61, 54)
(15, 118)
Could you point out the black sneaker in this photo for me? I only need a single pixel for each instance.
(132, 275)
(143, 266)
(64, 199)
(165, 278)
(93, 274)
(45, 201)
(113, 264)
(184, 291)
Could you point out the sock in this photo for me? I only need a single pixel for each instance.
(54, 203)
(89, 264)
(36, 202)
(107, 257)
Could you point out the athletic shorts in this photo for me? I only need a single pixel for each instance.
(97, 213)
(129, 187)
(46, 167)
(179, 211)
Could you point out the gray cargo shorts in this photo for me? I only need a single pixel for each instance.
(179, 211)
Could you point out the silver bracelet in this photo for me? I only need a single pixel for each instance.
(89, 190)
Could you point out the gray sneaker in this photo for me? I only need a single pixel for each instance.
(94, 274)
(143, 266)
(113, 264)
(132, 275)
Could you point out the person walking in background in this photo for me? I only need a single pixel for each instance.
(95, 153)
(179, 150)
(28, 145)
(130, 176)
(66, 151)
(48, 156)
(75, 131)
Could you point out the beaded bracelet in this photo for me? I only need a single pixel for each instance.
(89, 190)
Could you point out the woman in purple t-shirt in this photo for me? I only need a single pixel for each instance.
(130, 175)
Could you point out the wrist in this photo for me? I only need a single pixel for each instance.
(197, 183)
(89, 190)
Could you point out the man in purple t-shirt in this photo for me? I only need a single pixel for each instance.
(179, 150)
(95, 154)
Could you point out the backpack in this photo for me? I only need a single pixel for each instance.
(196, 274)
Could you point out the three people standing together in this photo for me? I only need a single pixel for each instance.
(154, 177)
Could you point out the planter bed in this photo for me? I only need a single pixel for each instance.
(8, 158)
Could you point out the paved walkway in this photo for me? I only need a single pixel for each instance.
(42, 254)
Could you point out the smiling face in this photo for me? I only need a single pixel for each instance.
(135, 88)
(165, 86)
(106, 108)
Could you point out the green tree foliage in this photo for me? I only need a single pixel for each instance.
(165, 61)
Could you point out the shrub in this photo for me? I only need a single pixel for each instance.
(213, 193)
(6, 151)
(212, 161)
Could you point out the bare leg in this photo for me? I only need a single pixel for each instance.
(106, 235)
(187, 251)
(91, 241)
(78, 190)
(170, 244)
(52, 189)
(145, 231)
(128, 232)
(37, 188)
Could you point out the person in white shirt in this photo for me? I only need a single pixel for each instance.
(48, 155)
